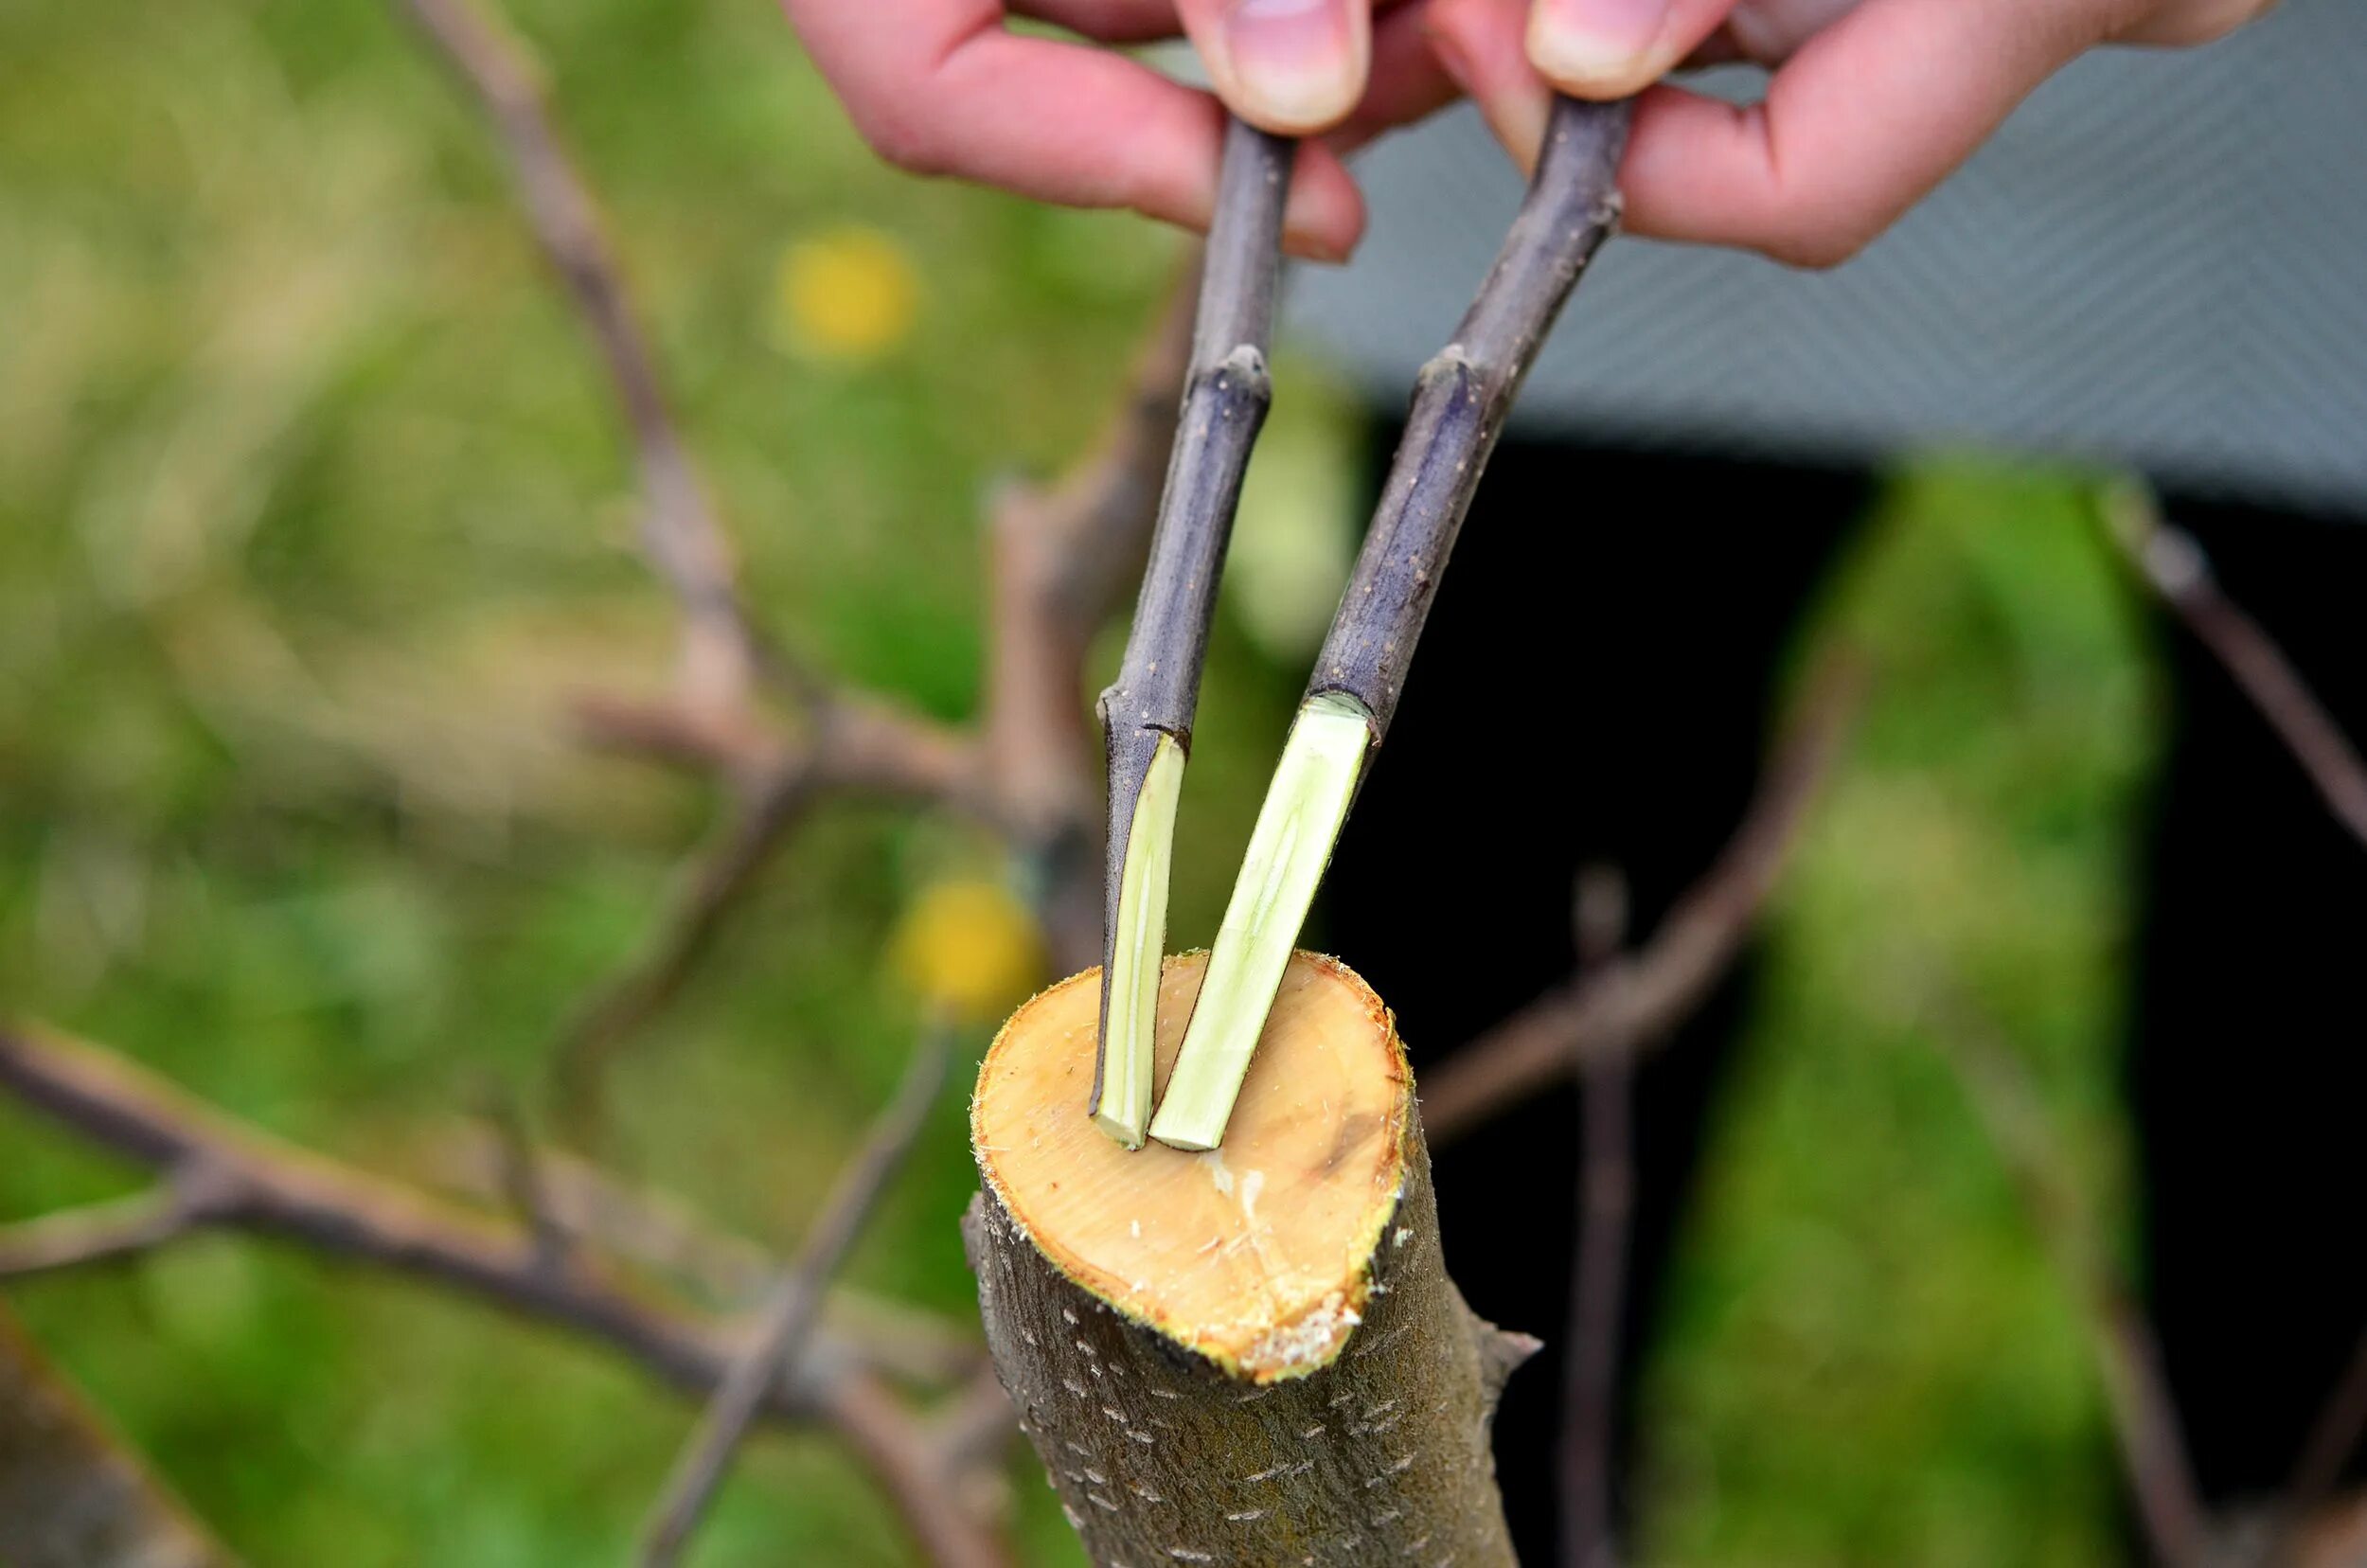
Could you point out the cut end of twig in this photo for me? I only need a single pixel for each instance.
(1129, 990)
(1288, 851)
(1258, 1257)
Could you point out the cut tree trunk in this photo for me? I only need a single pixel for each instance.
(1251, 1355)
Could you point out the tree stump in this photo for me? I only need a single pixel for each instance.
(1251, 1355)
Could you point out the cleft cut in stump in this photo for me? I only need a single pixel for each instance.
(1251, 1355)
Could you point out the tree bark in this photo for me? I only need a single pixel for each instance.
(1251, 1355)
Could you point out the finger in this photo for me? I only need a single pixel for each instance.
(1612, 48)
(1297, 68)
(2191, 21)
(1106, 21)
(947, 91)
(1409, 82)
(1481, 44)
(1867, 117)
(1768, 32)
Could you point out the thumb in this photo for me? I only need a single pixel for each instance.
(1290, 66)
(1610, 48)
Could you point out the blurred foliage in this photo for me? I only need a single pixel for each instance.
(314, 516)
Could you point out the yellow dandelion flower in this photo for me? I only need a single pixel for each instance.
(848, 293)
(970, 948)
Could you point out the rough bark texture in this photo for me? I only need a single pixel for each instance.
(70, 1496)
(1378, 1455)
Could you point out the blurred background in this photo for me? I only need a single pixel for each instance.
(314, 519)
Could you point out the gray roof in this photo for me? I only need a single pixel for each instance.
(2161, 260)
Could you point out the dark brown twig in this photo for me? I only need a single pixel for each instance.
(2144, 1418)
(797, 1303)
(2175, 565)
(254, 1183)
(1598, 1280)
(1632, 1003)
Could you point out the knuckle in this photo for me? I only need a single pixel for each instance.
(1819, 241)
(2188, 22)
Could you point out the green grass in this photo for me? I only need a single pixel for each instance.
(312, 515)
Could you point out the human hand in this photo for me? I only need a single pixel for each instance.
(1872, 103)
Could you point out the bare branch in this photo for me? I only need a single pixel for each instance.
(1598, 1294)
(797, 1302)
(1598, 1280)
(685, 542)
(71, 1494)
(522, 1185)
(2175, 565)
(859, 746)
(659, 1232)
(928, 1492)
(2333, 1438)
(273, 1189)
(1632, 1003)
(98, 1234)
(2144, 1418)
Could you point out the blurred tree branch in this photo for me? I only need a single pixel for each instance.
(788, 1319)
(1629, 1003)
(721, 652)
(2175, 567)
(71, 1495)
(1060, 556)
(243, 1179)
(2144, 1418)
(1599, 1264)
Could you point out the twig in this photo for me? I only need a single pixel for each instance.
(260, 1184)
(521, 1180)
(2175, 565)
(2333, 1438)
(1147, 712)
(1632, 1003)
(1598, 1293)
(857, 747)
(71, 1494)
(1461, 401)
(2144, 1418)
(660, 1233)
(1598, 1283)
(684, 540)
(795, 1304)
(72, 1238)
(919, 1473)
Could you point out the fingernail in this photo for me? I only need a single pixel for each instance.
(1582, 43)
(1295, 63)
